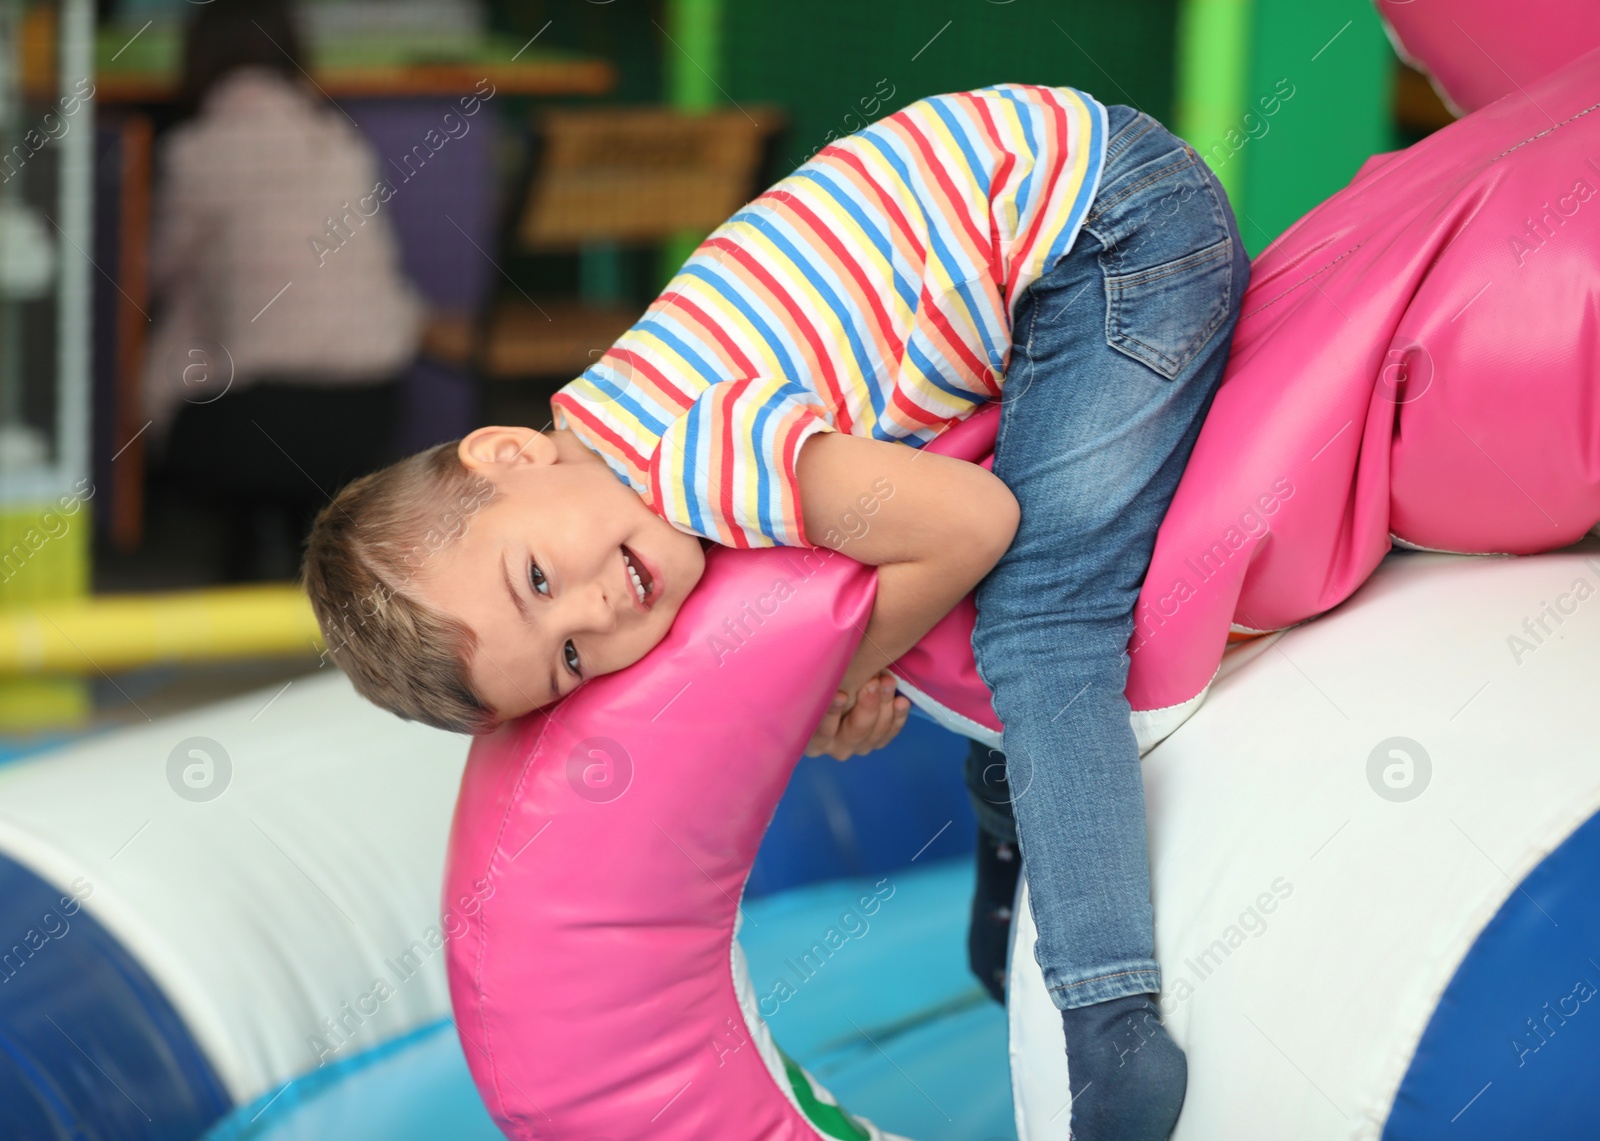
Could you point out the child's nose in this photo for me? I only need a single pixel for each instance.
(598, 613)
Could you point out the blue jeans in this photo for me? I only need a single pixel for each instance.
(1117, 353)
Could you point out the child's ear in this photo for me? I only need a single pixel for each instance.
(500, 446)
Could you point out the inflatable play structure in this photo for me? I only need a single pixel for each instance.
(1477, 51)
(1370, 773)
(1369, 401)
(236, 913)
(1382, 815)
(1372, 847)
(202, 906)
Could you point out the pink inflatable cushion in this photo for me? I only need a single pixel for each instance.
(1418, 355)
(600, 848)
(1480, 50)
(598, 854)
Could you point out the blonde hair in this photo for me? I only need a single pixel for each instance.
(364, 551)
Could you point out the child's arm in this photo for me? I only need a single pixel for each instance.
(932, 525)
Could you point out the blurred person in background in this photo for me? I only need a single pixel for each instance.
(273, 370)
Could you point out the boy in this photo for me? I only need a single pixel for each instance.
(1025, 244)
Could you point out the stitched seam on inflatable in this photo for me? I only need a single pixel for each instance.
(1307, 281)
(1543, 133)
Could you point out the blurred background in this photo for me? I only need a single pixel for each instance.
(239, 272)
(250, 250)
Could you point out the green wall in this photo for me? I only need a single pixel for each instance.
(820, 59)
(1279, 156)
(623, 31)
(827, 61)
(1338, 115)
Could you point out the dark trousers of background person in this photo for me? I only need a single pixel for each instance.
(265, 458)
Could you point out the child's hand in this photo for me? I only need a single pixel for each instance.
(848, 730)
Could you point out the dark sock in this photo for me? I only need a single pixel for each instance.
(989, 934)
(1127, 1075)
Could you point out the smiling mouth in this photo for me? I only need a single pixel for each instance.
(638, 575)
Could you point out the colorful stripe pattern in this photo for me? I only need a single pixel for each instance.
(869, 292)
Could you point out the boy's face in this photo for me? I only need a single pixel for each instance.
(544, 574)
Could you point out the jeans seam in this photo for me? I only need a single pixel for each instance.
(1189, 349)
(1122, 140)
(1171, 268)
(1100, 207)
(1033, 322)
(1103, 978)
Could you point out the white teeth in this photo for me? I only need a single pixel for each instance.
(638, 583)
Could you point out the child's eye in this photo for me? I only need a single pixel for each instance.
(536, 579)
(569, 654)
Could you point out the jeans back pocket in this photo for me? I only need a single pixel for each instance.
(1163, 315)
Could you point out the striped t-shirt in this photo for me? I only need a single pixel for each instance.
(870, 292)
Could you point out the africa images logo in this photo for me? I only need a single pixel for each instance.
(199, 769)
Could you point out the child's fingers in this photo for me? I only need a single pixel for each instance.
(884, 730)
(822, 741)
(821, 746)
(887, 730)
(902, 710)
(856, 727)
(838, 709)
(866, 707)
(876, 718)
(883, 715)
